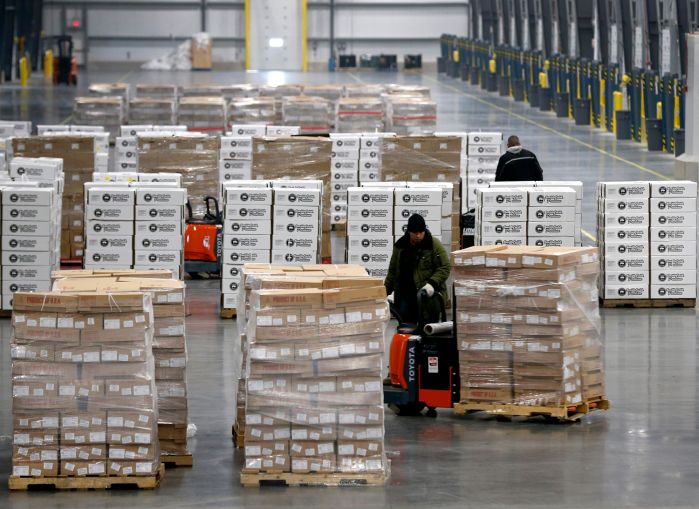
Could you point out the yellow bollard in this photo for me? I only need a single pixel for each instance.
(677, 112)
(492, 66)
(23, 71)
(659, 110)
(543, 80)
(618, 105)
(456, 56)
(48, 65)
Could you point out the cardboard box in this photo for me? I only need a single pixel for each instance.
(35, 468)
(161, 212)
(429, 213)
(687, 248)
(248, 195)
(158, 242)
(688, 219)
(26, 228)
(241, 256)
(109, 212)
(249, 212)
(663, 291)
(667, 262)
(554, 229)
(298, 198)
(248, 227)
(623, 219)
(552, 214)
(499, 197)
(370, 228)
(552, 196)
(674, 189)
(626, 205)
(626, 249)
(503, 229)
(633, 190)
(26, 258)
(26, 213)
(672, 234)
(626, 234)
(626, 263)
(676, 205)
(296, 227)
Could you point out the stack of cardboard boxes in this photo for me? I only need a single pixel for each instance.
(169, 343)
(314, 392)
(527, 325)
(314, 115)
(252, 110)
(359, 114)
(240, 91)
(483, 153)
(31, 237)
(206, 114)
(157, 91)
(126, 144)
(84, 400)
(344, 161)
(278, 93)
(297, 214)
(8, 130)
(647, 237)
(106, 111)
(79, 154)
(135, 225)
(536, 214)
(235, 162)
(408, 114)
(151, 110)
(370, 147)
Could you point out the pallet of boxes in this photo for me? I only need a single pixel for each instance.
(314, 393)
(647, 235)
(168, 345)
(528, 331)
(84, 406)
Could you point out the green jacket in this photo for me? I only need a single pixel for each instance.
(432, 266)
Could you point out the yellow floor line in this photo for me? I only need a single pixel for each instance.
(588, 235)
(546, 128)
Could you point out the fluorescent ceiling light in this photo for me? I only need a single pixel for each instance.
(276, 42)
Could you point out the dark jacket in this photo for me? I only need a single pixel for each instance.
(518, 164)
(429, 263)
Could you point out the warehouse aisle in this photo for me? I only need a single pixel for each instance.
(641, 453)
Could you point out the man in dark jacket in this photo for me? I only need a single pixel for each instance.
(518, 164)
(419, 262)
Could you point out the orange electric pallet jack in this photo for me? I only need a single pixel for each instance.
(424, 368)
(203, 243)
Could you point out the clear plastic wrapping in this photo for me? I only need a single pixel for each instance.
(108, 111)
(202, 91)
(84, 398)
(359, 114)
(149, 110)
(528, 326)
(410, 114)
(206, 114)
(194, 158)
(414, 90)
(278, 92)
(314, 390)
(157, 91)
(240, 91)
(312, 114)
(364, 90)
(252, 110)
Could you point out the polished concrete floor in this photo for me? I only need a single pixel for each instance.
(643, 453)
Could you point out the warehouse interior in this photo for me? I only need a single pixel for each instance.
(602, 91)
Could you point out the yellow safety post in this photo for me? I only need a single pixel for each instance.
(492, 66)
(677, 109)
(543, 80)
(48, 65)
(455, 56)
(23, 71)
(602, 103)
(659, 110)
(618, 106)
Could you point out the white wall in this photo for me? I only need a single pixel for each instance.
(407, 28)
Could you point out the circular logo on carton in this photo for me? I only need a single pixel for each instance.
(499, 229)
(20, 171)
(14, 228)
(235, 257)
(621, 249)
(153, 213)
(662, 205)
(13, 243)
(291, 213)
(539, 242)
(662, 190)
(289, 257)
(146, 243)
(233, 286)
(662, 263)
(243, 212)
(147, 197)
(241, 131)
(621, 205)
(14, 212)
(152, 258)
(365, 213)
(539, 228)
(96, 257)
(367, 166)
(406, 213)
(290, 243)
(235, 227)
(97, 228)
(106, 198)
(622, 220)
(292, 198)
(364, 228)
(621, 235)
(406, 198)
(622, 277)
(14, 258)
(498, 242)
(539, 214)
(339, 143)
(338, 208)
(234, 271)
(14, 288)
(365, 258)
(366, 243)
(662, 292)
(500, 198)
(476, 139)
(499, 214)
(662, 220)
(621, 263)
(662, 234)
(14, 273)
(98, 212)
(153, 228)
(104, 243)
(228, 166)
(662, 277)
(366, 198)
(338, 187)
(621, 292)
(14, 198)
(622, 191)
(291, 228)
(124, 143)
(244, 196)
(540, 199)
(235, 242)
(662, 248)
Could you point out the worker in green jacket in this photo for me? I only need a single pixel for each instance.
(419, 262)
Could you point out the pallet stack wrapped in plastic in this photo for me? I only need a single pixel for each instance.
(239, 91)
(314, 115)
(107, 111)
(157, 91)
(205, 114)
(359, 114)
(314, 391)
(252, 110)
(408, 114)
(8, 130)
(84, 400)
(344, 161)
(151, 110)
(169, 341)
(126, 144)
(202, 91)
(364, 90)
(278, 93)
(527, 326)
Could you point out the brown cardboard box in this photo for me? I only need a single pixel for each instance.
(302, 465)
(313, 433)
(550, 257)
(80, 388)
(35, 468)
(362, 448)
(40, 387)
(36, 438)
(79, 436)
(311, 449)
(169, 326)
(78, 353)
(127, 353)
(133, 387)
(268, 433)
(34, 454)
(130, 468)
(131, 419)
(502, 395)
(46, 420)
(355, 432)
(267, 416)
(84, 452)
(271, 464)
(266, 448)
(132, 452)
(37, 368)
(361, 415)
(169, 342)
(106, 337)
(83, 468)
(360, 464)
(128, 436)
(511, 257)
(359, 384)
(33, 351)
(59, 336)
(201, 53)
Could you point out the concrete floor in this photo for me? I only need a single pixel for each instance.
(642, 453)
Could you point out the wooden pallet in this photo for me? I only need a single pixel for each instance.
(565, 414)
(259, 479)
(228, 313)
(238, 438)
(647, 303)
(145, 482)
(5, 313)
(177, 460)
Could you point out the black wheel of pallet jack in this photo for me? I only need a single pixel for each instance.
(409, 409)
(431, 412)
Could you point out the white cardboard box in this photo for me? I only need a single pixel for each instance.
(673, 219)
(667, 262)
(674, 205)
(685, 248)
(411, 196)
(673, 277)
(105, 257)
(161, 196)
(12, 243)
(155, 242)
(505, 196)
(495, 214)
(239, 242)
(627, 190)
(429, 213)
(625, 234)
(626, 263)
(296, 227)
(551, 229)
(551, 214)
(248, 195)
(26, 228)
(247, 227)
(159, 258)
(621, 278)
(554, 241)
(673, 291)
(503, 229)
(295, 258)
(26, 213)
(26, 258)
(26, 273)
(673, 234)
(552, 196)
(674, 188)
(624, 219)
(297, 197)
(627, 248)
(629, 291)
(111, 196)
(250, 212)
(175, 228)
(369, 196)
(36, 197)
(370, 228)
(369, 212)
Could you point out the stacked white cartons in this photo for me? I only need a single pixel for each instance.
(297, 218)
(344, 167)
(126, 153)
(484, 150)
(370, 227)
(623, 221)
(247, 232)
(501, 216)
(30, 239)
(370, 158)
(446, 232)
(159, 226)
(551, 217)
(235, 161)
(425, 201)
(673, 234)
(463, 166)
(282, 130)
(109, 221)
(578, 187)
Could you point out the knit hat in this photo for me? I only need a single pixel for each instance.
(416, 224)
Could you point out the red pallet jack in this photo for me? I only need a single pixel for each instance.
(203, 244)
(423, 366)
